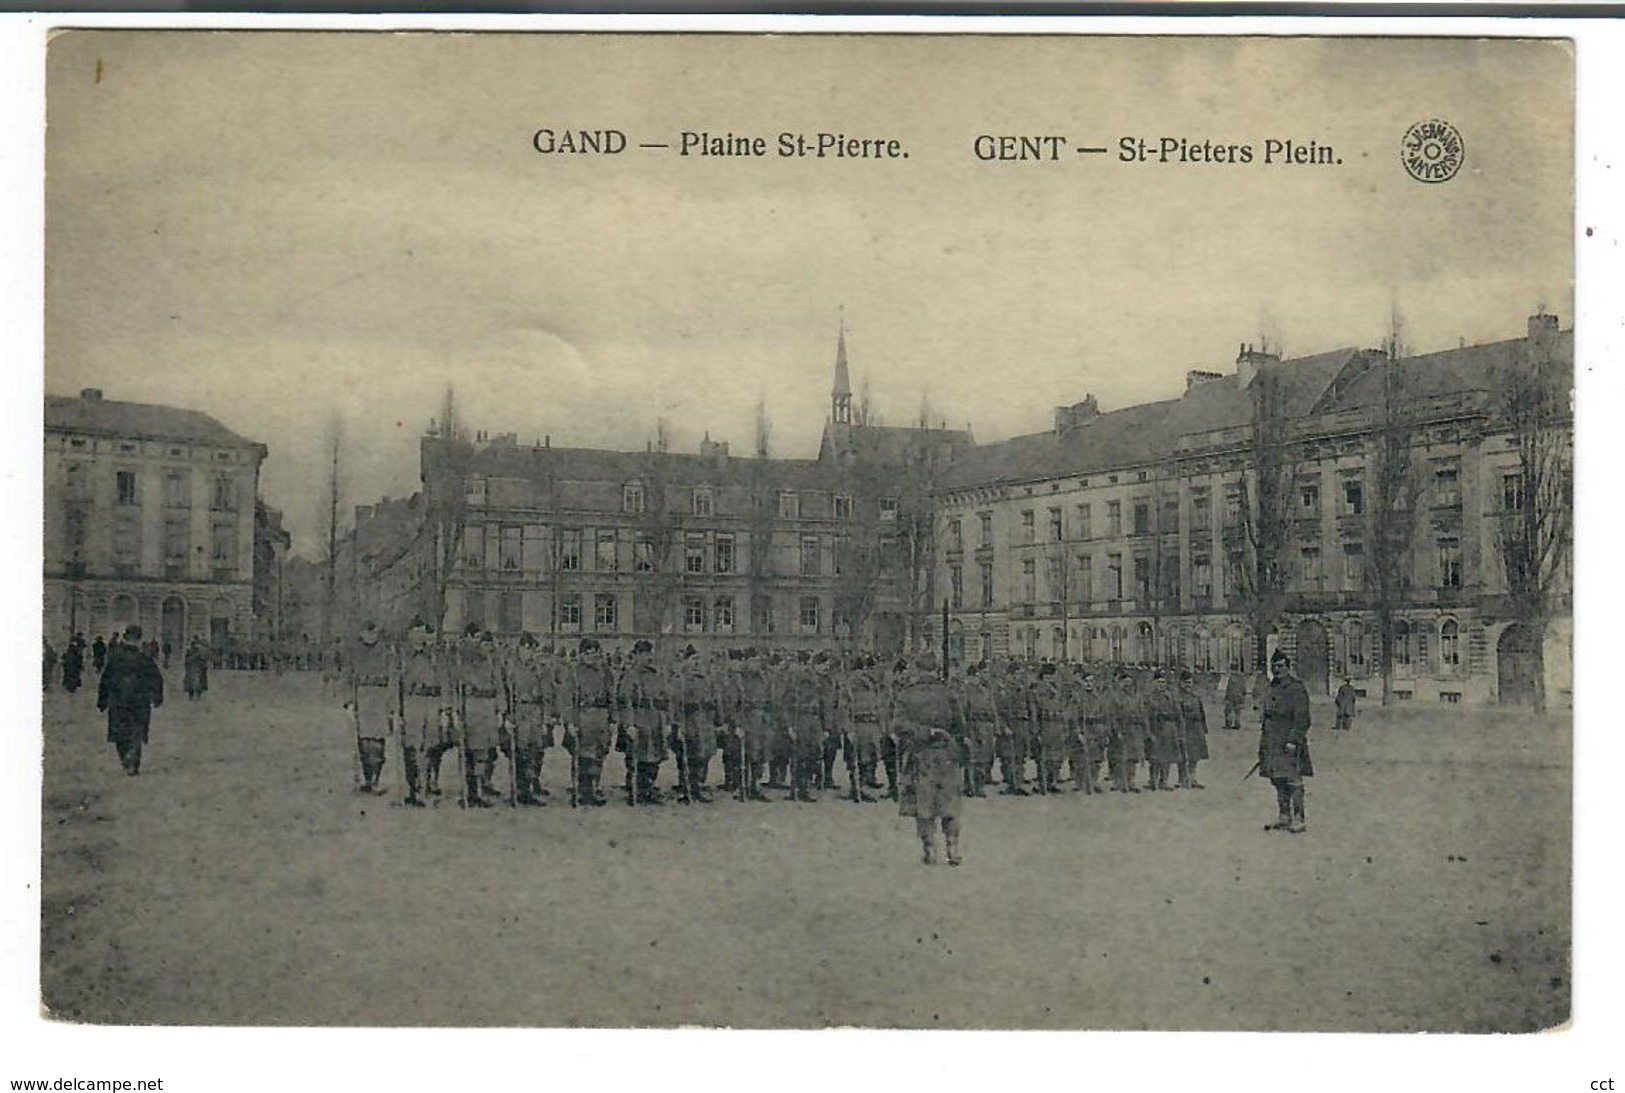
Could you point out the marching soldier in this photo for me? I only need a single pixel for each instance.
(980, 711)
(801, 712)
(1128, 732)
(755, 715)
(1089, 738)
(373, 699)
(528, 716)
(698, 718)
(592, 708)
(1163, 729)
(829, 670)
(1192, 732)
(861, 706)
(1015, 731)
(643, 694)
(479, 712)
(1283, 744)
(1050, 716)
(730, 735)
(420, 717)
(925, 723)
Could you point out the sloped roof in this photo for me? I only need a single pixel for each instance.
(1143, 433)
(602, 465)
(147, 421)
(1471, 368)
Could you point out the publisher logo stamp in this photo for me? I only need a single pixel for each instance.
(1432, 151)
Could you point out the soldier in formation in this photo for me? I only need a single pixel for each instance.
(1048, 725)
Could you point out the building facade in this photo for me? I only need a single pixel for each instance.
(149, 519)
(1134, 536)
(704, 548)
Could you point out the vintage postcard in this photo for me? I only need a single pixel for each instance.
(906, 531)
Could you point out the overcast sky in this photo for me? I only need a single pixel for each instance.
(277, 228)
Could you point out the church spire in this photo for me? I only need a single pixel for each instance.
(840, 405)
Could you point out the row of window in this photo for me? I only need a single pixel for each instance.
(1076, 581)
(1351, 502)
(702, 501)
(523, 548)
(699, 614)
(177, 488)
(1355, 655)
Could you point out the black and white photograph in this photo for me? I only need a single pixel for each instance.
(802, 531)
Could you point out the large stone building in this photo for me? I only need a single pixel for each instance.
(1135, 535)
(707, 548)
(149, 519)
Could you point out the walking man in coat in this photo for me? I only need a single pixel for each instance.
(1283, 744)
(1345, 706)
(131, 686)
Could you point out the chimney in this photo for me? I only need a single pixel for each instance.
(1542, 337)
(94, 394)
(1248, 362)
(1079, 413)
(1194, 377)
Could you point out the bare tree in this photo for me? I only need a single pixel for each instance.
(658, 528)
(1261, 530)
(330, 602)
(759, 563)
(864, 413)
(446, 484)
(1536, 521)
(1396, 492)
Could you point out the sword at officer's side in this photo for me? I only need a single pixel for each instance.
(1252, 770)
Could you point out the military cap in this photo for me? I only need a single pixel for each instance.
(642, 645)
(1185, 676)
(1280, 657)
(589, 645)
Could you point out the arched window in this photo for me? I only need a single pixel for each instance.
(1357, 650)
(1449, 645)
(1402, 644)
(1116, 639)
(1204, 649)
(1235, 654)
(1148, 646)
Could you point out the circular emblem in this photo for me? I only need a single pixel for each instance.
(1432, 151)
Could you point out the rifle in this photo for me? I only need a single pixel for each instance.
(459, 713)
(507, 695)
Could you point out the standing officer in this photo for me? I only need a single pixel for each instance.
(1192, 731)
(1283, 744)
(131, 686)
(829, 670)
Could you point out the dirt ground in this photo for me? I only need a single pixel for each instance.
(241, 880)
